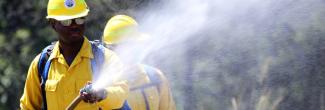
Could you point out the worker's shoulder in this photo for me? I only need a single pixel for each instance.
(109, 53)
(157, 70)
(36, 59)
(47, 49)
(154, 71)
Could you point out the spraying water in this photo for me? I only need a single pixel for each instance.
(235, 54)
(159, 35)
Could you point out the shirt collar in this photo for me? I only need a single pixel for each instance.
(85, 50)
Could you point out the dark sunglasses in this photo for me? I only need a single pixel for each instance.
(68, 22)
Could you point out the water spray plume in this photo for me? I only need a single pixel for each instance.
(159, 36)
(241, 55)
(111, 72)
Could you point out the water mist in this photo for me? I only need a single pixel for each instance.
(229, 55)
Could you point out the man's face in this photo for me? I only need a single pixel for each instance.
(70, 31)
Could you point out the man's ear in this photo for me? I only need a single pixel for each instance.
(52, 23)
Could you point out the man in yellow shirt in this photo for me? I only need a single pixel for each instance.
(149, 88)
(56, 76)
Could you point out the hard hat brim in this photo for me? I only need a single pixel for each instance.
(60, 17)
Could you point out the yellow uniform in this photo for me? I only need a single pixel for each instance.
(64, 82)
(158, 97)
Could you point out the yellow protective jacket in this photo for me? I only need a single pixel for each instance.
(64, 82)
(158, 97)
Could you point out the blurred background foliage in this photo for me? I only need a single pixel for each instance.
(283, 68)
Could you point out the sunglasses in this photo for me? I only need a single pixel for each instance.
(68, 22)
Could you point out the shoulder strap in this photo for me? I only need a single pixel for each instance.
(43, 67)
(46, 52)
(154, 81)
(97, 62)
(153, 76)
(44, 57)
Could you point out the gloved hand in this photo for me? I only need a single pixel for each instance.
(91, 95)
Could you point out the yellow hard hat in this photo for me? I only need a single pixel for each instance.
(118, 27)
(66, 9)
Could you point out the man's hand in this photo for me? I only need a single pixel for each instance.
(91, 95)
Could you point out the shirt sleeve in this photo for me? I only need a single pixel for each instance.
(118, 91)
(32, 98)
(166, 99)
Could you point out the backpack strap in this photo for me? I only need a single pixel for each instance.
(153, 77)
(125, 106)
(145, 97)
(43, 67)
(99, 58)
(154, 81)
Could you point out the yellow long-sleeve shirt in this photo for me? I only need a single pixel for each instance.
(64, 82)
(159, 97)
